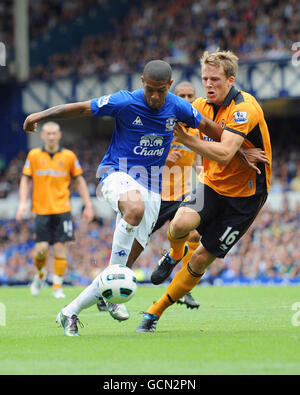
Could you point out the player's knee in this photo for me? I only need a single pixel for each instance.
(41, 249)
(201, 259)
(179, 228)
(132, 207)
(185, 221)
(41, 253)
(134, 213)
(194, 237)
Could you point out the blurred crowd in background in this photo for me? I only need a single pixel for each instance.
(175, 30)
(179, 31)
(270, 249)
(285, 167)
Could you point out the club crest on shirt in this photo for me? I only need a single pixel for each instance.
(195, 112)
(240, 117)
(170, 123)
(103, 100)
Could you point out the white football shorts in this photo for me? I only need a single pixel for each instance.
(118, 183)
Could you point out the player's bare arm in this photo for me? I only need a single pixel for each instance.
(62, 111)
(88, 212)
(221, 152)
(24, 188)
(250, 156)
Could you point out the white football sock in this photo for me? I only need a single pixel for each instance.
(124, 236)
(88, 297)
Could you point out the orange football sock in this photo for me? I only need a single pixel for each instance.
(60, 265)
(177, 245)
(183, 282)
(192, 248)
(40, 265)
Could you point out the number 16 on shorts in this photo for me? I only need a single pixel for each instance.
(228, 238)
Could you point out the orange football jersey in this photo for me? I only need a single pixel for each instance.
(51, 176)
(241, 114)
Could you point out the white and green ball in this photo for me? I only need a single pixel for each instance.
(117, 284)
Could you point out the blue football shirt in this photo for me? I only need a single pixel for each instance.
(142, 136)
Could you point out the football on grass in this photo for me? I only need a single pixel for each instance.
(117, 284)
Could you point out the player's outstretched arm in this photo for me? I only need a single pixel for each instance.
(221, 152)
(250, 156)
(62, 111)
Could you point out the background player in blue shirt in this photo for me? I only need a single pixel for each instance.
(130, 172)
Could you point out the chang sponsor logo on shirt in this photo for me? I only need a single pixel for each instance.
(150, 144)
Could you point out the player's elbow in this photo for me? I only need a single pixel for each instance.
(225, 158)
(225, 161)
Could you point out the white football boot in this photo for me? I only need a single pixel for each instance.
(58, 293)
(37, 285)
(118, 311)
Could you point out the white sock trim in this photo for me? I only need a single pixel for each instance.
(57, 279)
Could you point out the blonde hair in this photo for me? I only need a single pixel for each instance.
(226, 59)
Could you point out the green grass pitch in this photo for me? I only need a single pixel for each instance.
(237, 330)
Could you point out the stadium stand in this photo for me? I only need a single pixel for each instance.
(253, 30)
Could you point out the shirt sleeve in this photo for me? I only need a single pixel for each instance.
(109, 104)
(243, 118)
(27, 169)
(76, 169)
(189, 114)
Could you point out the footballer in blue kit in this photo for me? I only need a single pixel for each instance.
(142, 135)
(130, 172)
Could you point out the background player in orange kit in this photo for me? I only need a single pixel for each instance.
(50, 168)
